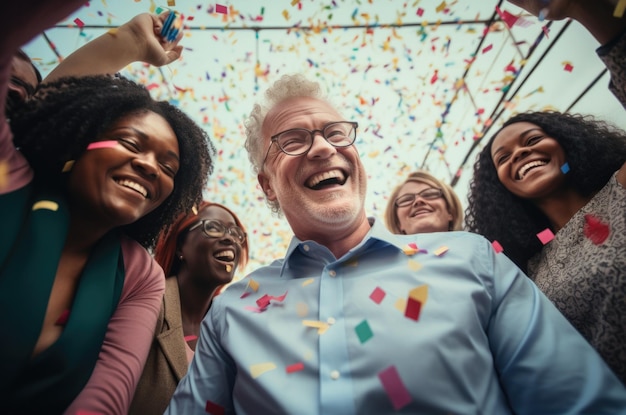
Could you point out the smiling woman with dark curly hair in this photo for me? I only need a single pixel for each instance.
(94, 170)
(564, 173)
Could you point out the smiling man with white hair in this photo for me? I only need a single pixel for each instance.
(356, 320)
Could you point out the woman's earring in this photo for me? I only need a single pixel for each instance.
(180, 257)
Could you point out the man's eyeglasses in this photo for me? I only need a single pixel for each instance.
(407, 199)
(216, 229)
(298, 141)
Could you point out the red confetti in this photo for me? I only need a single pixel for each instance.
(214, 409)
(487, 48)
(62, 320)
(79, 23)
(296, 367)
(413, 308)
(595, 229)
(190, 337)
(221, 9)
(507, 17)
(420, 12)
(568, 67)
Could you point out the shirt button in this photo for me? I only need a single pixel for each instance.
(331, 320)
(332, 273)
(334, 375)
(306, 248)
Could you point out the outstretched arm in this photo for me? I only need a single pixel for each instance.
(138, 40)
(595, 15)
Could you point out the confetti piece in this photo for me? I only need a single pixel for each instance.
(400, 305)
(487, 48)
(595, 230)
(507, 17)
(221, 9)
(620, 7)
(265, 300)
(296, 367)
(567, 66)
(420, 12)
(414, 265)
(565, 168)
(190, 337)
(441, 7)
(62, 320)
(413, 309)
(253, 285)
(397, 392)
(68, 166)
(79, 23)
(171, 3)
(4, 174)
(545, 236)
(302, 309)
(260, 368)
(294, 2)
(229, 268)
(307, 282)
(419, 293)
(102, 144)
(497, 247)
(321, 326)
(410, 249)
(377, 295)
(441, 250)
(363, 331)
(46, 204)
(214, 409)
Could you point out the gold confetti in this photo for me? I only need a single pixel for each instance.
(46, 204)
(258, 369)
(414, 265)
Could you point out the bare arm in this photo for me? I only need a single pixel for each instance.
(138, 40)
(595, 15)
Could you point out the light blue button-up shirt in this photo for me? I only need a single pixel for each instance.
(448, 328)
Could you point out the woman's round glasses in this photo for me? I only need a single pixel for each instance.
(407, 199)
(216, 229)
(298, 141)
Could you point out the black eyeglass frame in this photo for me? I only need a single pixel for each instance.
(420, 194)
(274, 139)
(224, 230)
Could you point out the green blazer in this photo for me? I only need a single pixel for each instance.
(167, 361)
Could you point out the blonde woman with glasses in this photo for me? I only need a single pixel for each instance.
(422, 204)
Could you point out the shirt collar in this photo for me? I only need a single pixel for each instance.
(378, 233)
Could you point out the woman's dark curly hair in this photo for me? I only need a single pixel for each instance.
(594, 151)
(65, 116)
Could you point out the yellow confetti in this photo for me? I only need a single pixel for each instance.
(68, 166)
(619, 9)
(441, 250)
(302, 309)
(441, 7)
(4, 174)
(194, 209)
(260, 368)
(321, 326)
(253, 284)
(286, 14)
(112, 32)
(307, 282)
(409, 250)
(294, 2)
(414, 265)
(171, 3)
(46, 204)
(400, 304)
(419, 293)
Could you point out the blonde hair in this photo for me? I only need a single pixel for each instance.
(452, 201)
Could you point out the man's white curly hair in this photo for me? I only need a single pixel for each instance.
(288, 86)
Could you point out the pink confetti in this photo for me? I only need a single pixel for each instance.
(102, 144)
(79, 23)
(221, 9)
(507, 17)
(393, 385)
(568, 67)
(497, 247)
(377, 295)
(264, 301)
(420, 12)
(296, 367)
(487, 48)
(190, 337)
(545, 236)
(214, 409)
